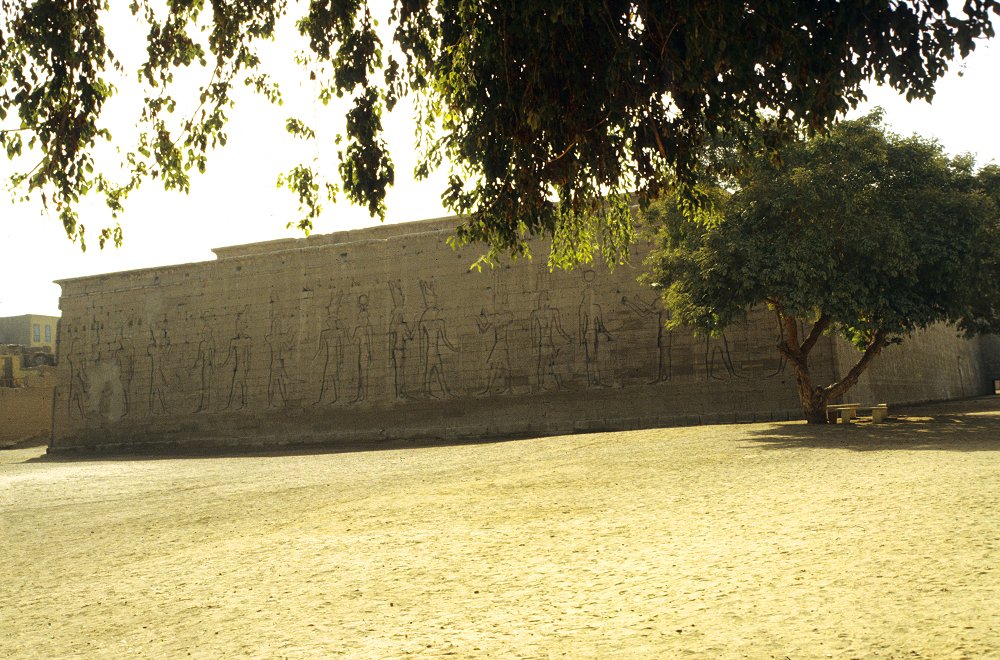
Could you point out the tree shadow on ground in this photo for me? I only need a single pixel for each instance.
(154, 452)
(943, 432)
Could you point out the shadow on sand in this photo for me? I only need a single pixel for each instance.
(175, 452)
(970, 425)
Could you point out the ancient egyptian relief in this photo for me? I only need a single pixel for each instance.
(400, 334)
(594, 334)
(280, 342)
(238, 362)
(548, 340)
(330, 352)
(433, 332)
(496, 324)
(204, 364)
(158, 352)
(362, 339)
(363, 329)
(651, 308)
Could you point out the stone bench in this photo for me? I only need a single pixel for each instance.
(845, 412)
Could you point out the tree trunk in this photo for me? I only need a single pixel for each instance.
(812, 399)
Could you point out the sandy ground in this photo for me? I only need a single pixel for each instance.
(760, 540)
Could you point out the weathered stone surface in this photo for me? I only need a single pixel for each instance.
(386, 333)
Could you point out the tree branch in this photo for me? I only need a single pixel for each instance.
(789, 344)
(822, 323)
(567, 150)
(659, 140)
(874, 348)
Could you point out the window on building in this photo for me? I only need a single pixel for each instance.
(48, 333)
(37, 332)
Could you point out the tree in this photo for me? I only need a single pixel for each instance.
(583, 103)
(857, 232)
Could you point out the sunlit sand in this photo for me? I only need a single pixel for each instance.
(756, 540)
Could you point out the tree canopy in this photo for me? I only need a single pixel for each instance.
(859, 232)
(581, 103)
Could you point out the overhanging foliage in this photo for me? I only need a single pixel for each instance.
(530, 102)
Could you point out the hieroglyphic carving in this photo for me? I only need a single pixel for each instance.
(433, 334)
(361, 347)
(239, 354)
(653, 309)
(593, 332)
(204, 365)
(280, 343)
(331, 351)
(158, 350)
(545, 326)
(399, 335)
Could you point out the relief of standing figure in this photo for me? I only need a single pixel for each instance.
(158, 350)
(77, 378)
(280, 343)
(433, 334)
(498, 369)
(545, 326)
(204, 365)
(124, 355)
(361, 342)
(592, 330)
(399, 335)
(239, 354)
(331, 353)
(654, 309)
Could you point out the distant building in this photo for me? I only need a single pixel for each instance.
(29, 330)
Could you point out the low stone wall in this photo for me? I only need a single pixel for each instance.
(25, 413)
(387, 333)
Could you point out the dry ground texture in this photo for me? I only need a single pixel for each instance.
(760, 540)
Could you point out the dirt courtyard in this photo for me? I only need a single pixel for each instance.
(758, 540)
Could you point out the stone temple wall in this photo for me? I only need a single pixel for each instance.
(386, 333)
(932, 365)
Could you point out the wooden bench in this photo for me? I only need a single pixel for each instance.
(845, 412)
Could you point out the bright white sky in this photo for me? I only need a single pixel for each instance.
(236, 201)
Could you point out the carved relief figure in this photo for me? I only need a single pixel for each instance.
(95, 339)
(330, 352)
(545, 326)
(593, 331)
(399, 334)
(654, 310)
(124, 356)
(280, 343)
(498, 370)
(77, 378)
(238, 355)
(158, 350)
(204, 365)
(718, 359)
(104, 388)
(737, 353)
(361, 345)
(433, 334)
